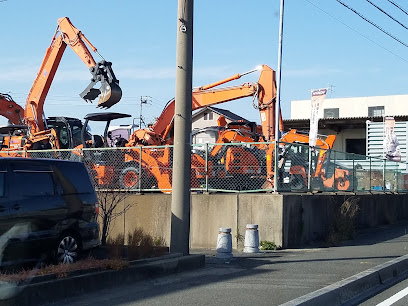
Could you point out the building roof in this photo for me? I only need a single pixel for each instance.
(228, 114)
(337, 124)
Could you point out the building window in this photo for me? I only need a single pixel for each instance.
(375, 111)
(356, 146)
(208, 116)
(331, 113)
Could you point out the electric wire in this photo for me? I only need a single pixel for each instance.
(384, 12)
(396, 5)
(354, 30)
(372, 23)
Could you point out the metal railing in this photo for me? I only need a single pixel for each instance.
(237, 167)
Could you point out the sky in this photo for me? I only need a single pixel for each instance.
(324, 45)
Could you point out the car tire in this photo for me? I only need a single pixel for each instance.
(68, 249)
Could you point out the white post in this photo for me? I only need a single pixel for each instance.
(224, 243)
(251, 244)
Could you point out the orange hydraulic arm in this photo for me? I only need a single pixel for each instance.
(66, 34)
(264, 90)
(10, 109)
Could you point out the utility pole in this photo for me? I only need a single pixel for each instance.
(143, 100)
(277, 105)
(180, 204)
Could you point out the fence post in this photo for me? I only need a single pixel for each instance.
(384, 165)
(370, 172)
(310, 169)
(353, 173)
(206, 167)
(334, 171)
(140, 170)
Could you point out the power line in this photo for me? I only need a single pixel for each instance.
(396, 5)
(366, 37)
(372, 23)
(384, 12)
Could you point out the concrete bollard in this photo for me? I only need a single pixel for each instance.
(251, 244)
(224, 243)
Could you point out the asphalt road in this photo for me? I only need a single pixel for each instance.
(269, 278)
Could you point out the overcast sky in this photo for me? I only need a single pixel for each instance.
(324, 44)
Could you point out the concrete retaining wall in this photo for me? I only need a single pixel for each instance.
(289, 220)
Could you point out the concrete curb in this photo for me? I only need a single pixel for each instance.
(58, 289)
(359, 287)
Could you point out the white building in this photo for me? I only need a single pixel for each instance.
(205, 118)
(377, 106)
(347, 118)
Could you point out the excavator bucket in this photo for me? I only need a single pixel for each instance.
(109, 93)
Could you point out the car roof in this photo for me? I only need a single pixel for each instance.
(38, 160)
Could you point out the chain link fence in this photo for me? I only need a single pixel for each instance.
(237, 167)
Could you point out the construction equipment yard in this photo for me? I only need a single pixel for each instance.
(239, 165)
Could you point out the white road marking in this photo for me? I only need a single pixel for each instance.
(396, 297)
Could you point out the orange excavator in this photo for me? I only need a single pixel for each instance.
(325, 175)
(155, 162)
(39, 135)
(161, 132)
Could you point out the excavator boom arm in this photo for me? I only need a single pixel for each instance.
(264, 89)
(203, 98)
(66, 34)
(10, 109)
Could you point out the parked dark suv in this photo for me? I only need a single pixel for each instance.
(47, 208)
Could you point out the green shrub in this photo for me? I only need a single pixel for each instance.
(159, 241)
(268, 245)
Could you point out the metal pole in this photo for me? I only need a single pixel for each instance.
(140, 169)
(334, 172)
(180, 205)
(140, 117)
(353, 173)
(277, 105)
(142, 101)
(309, 171)
(370, 173)
(384, 162)
(206, 167)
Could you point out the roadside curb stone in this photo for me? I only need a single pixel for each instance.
(58, 289)
(357, 288)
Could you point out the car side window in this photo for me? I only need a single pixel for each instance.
(35, 183)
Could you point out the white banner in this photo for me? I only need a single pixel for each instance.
(392, 150)
(318, 96)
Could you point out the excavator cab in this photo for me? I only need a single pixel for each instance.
(100, 117)
(109, 93)
(103, 165)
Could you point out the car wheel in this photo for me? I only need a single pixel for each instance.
(68, 249)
